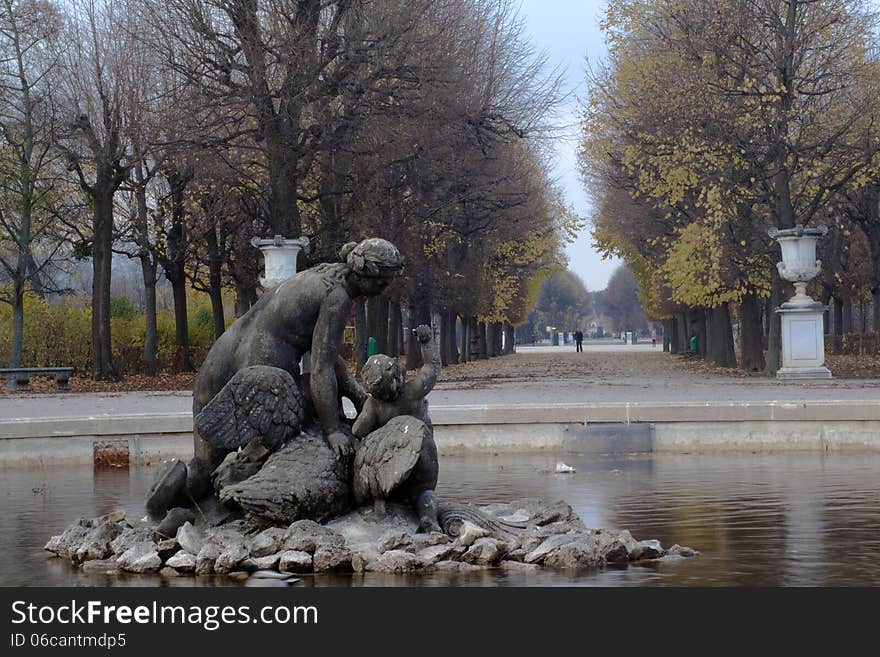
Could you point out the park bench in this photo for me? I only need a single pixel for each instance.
(20, 376)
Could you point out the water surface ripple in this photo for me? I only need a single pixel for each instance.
(757, 519)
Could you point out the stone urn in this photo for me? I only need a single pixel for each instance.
(799, 264)
(279, 255)
(803, 341)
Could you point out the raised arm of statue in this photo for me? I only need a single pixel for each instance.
(366, 420)
(327, 335)
(421, 384)
(348, 385)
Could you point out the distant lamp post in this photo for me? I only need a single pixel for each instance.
(803, 335)
(280, 256)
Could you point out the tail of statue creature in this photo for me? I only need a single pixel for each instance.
(399, 460)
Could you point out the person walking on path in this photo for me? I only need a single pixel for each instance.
(579, 340)
(654, 338)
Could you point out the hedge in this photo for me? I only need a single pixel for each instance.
(59, 333)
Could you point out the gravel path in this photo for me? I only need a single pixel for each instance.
(604, 373)
(623, 374)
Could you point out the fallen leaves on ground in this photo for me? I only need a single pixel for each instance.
(83, 383)
(612, 368)
(854, 366)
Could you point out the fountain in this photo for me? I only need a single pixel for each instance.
(282, 482)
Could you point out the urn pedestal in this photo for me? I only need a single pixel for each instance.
(803, 334)
(803, 343)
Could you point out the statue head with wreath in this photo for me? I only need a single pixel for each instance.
(373, 264)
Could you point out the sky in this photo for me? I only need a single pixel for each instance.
(567, 31)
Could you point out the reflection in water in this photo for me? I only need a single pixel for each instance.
(768, 520)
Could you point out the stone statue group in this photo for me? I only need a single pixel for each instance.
(283, 482)
(276, 442)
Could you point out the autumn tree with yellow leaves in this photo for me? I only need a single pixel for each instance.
(712, 121)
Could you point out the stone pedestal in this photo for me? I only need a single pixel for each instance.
(803, 342)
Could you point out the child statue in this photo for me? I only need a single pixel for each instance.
(396, 455)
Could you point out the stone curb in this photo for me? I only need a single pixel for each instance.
(483, 428)
(485, 414)
(825, 410)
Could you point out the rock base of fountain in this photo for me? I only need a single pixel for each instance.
(522, 535)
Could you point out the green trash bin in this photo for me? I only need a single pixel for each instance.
(695, 343)
(372, 347)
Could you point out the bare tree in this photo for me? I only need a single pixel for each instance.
(28, 165)
(93, 136)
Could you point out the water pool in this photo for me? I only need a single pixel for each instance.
(786, 519)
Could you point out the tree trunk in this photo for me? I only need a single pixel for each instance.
(245, 297)
(495, 329)
(25, 191)
(284, 218)
(215, 281)
(146, 255)
(377, 321)
(697, 327)
(360, 334)
(847, 323)
(720, 350)
(490, 340)
(395, 330)
(182, 362)
(473, 332)
(703, 331)
(838, 325)
(482, 340)
(18, 287)
(872, 231)
(667, 335)
(465, 347)
(509, 339)
(17, 333)
(448, 346)
(875, 307)
(751, 335)
(216, 295)
(103, 367)
(681, 323)
(175, 272)
(151, 333)
(334, 167)
(774, 338)
(445, 352)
